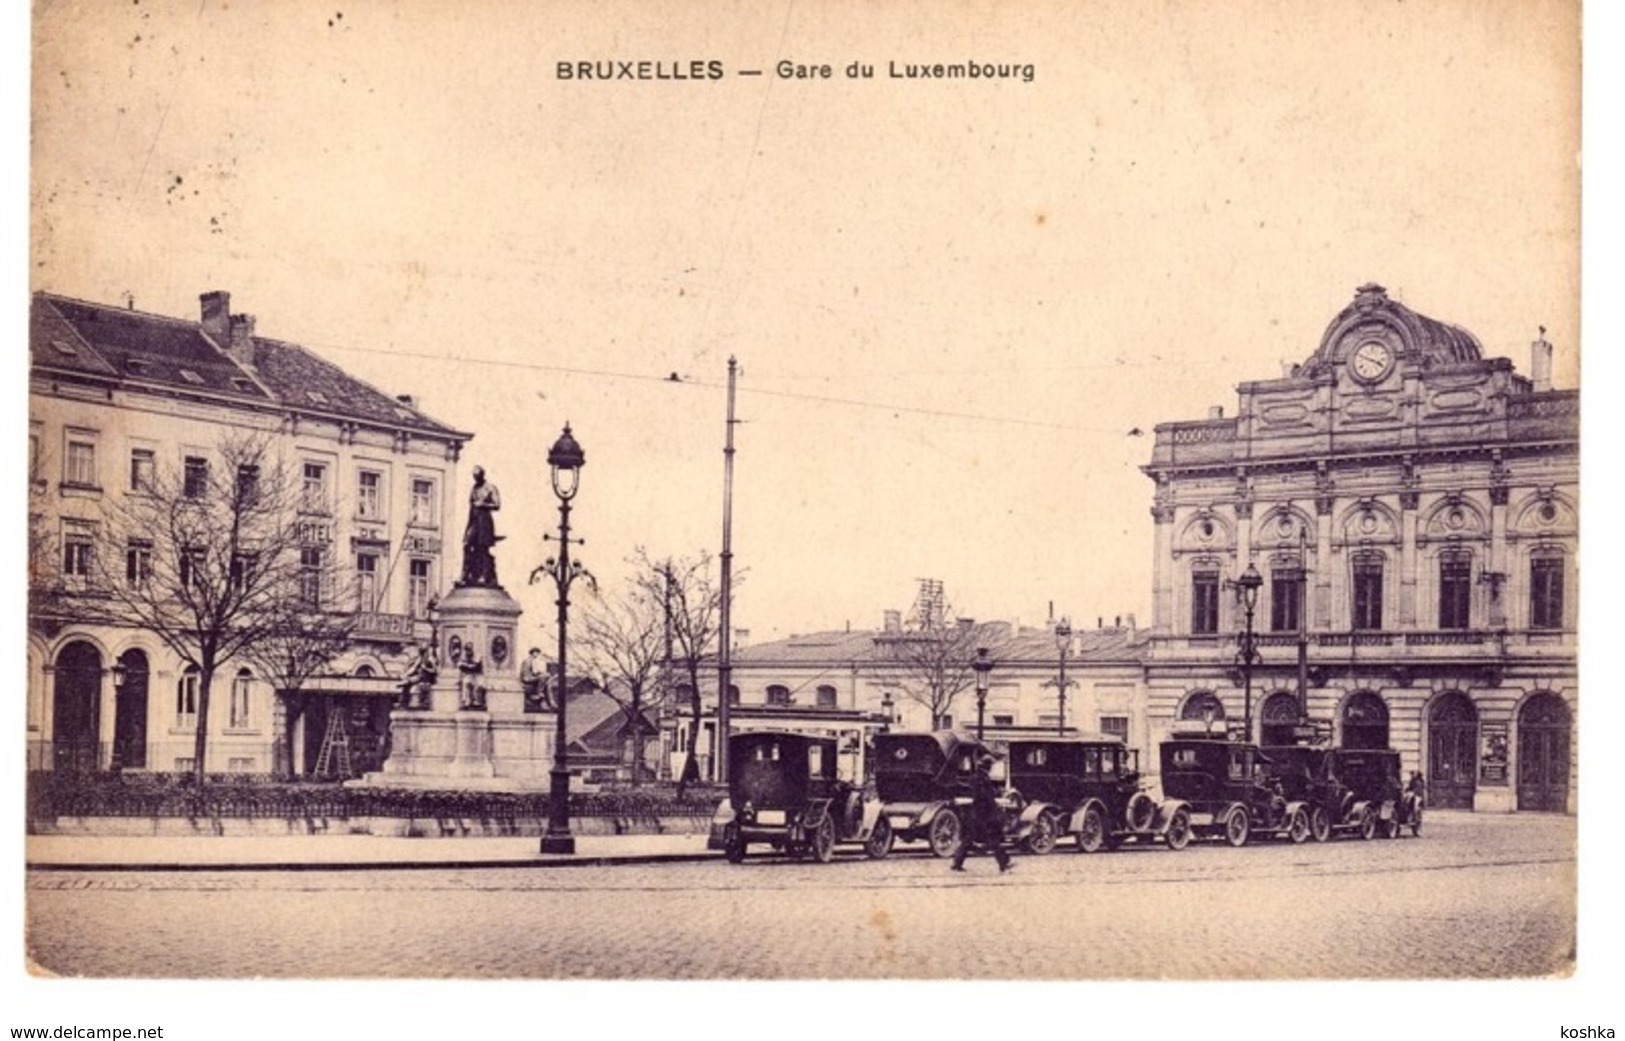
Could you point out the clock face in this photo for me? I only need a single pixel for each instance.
(1371, 360)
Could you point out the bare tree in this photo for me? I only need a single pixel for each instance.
(931, 658)
(690, 596)
(208, 559)
(624, 636)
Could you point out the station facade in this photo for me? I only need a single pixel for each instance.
(1411, 507)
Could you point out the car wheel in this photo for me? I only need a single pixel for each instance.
(946, 834)
(1416, 820)
(1141, 812)
(1368, 824)
(1237, 827)
(1179, 829)
(823, 841)
(1041, 839)
(879, 843)
(1298, 830)
(1093, 833)
(1320, 824)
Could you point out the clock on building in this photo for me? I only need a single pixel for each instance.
(1371, 361)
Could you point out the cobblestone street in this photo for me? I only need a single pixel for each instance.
(1474, 896)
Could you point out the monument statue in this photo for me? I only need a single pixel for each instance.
(479, 567)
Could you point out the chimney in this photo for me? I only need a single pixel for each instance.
(894, 621)
(217, 316)
(1130, 619)
(409, 400)
(1215, 412)
(1540, 363)
(741, 638)
(241, 347)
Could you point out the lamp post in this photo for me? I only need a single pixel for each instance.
(1063, 643)
(887, 706)
(565, 460)
(121, 673)
(1248, 585)
(983, 665)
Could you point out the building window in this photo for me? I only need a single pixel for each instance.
(1114, 726)
(1204, 602)
(1286, 600)
(733, 695)
(366, 581)
(827, 697)
(423, 504)
(243, 569)
(241, 687)
(186, 699)
(1003, 720)
(78, 554)
(1546, 591)
(1367, 591)
(1455, 589)
(313, 488)
(79, 466)
(248, 483)
(369, 500)
(33, 458)
(778, 695)
(196, 479)
(192, 562)
(419, 587)
(1202, 705)
(142, 468)
(310, 576)
(138, 562)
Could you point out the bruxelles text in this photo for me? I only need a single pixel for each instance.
(712, 69)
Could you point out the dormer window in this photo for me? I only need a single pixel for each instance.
(316, 396)
(191, 377)
(136, 366)
(246, 386)
(64, 348)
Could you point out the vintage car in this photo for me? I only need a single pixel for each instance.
(924, 783)
(783, 792)
(1230, 789)
(1348, 790)
(1093, 788)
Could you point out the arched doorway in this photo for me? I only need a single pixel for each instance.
(1278, 719)
(76, 707)
(130, 678)
(1543, 754)
(1452, 752)
(1365, 721)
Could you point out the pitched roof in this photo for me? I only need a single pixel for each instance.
(140, 349)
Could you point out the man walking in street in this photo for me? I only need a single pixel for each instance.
(986, 824)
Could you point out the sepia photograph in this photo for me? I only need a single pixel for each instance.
(845, 501)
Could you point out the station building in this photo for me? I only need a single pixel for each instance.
(115, 393)
(1410, 506)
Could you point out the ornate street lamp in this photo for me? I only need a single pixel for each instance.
(983, 665)
(1063, 643)
(1248, 585)
(565, 459)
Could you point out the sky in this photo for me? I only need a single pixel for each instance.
(952, 301)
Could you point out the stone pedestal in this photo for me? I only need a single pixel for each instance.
(475, 734)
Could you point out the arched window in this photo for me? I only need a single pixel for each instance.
(1365, 721)
(1278, 718)
(778, 694)
(186, 689)
(827, 697)
(242, 689)
(1202, 706)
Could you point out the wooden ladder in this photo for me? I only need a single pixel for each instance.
(335, 745)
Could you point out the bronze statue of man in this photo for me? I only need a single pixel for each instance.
(479, 566)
